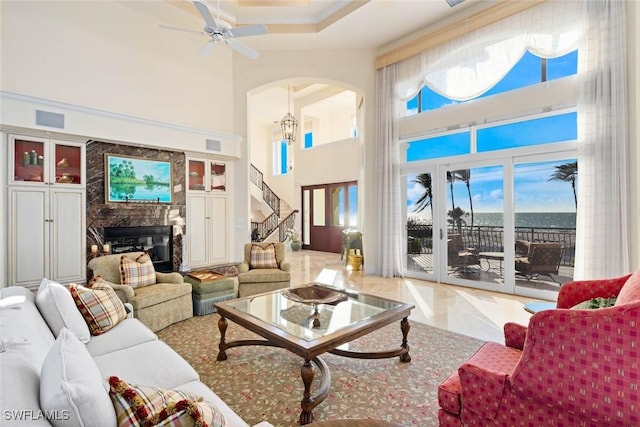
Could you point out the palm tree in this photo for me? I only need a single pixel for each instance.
(464, 175)
(567, 172)
(456, 219)
(451, 177)
(424, 179)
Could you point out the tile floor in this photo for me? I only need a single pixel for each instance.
(474, 312)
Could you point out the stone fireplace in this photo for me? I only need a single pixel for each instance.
(102, 216)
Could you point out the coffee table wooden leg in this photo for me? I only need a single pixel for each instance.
(405, 327)
(222, 347)
(307, 404)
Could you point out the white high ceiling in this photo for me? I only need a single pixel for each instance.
(330, 24)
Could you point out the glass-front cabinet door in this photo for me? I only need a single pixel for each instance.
(206, 175)
(38, 161)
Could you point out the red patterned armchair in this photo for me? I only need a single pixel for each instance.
(570, 367)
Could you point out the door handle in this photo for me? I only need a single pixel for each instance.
(441, 234)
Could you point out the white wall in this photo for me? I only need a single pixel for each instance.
(354, 70)
(113, 57)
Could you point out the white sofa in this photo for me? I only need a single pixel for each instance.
(30, 366)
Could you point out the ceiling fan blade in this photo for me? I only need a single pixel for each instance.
(249, 30)
(206, 14)
(168, 27)
(206, 50)
(242, 48)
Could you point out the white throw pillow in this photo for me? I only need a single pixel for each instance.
(71, 386)
(55, 303)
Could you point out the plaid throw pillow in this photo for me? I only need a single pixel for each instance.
(99, 305)
(263, 258)
(138, 405)
(137, 273)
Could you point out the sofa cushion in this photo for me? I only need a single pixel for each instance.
(630, 292)
(57, 307)
(99, 305)
(139, 405)
(260, 257)
(128, 333)
(19, 390)
(137, 273)
(157, 356)
(71, 384)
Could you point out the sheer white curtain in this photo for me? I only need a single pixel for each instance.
(466, 67)
(602, 247)
(390, 223)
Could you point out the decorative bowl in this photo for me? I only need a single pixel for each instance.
(314, 295)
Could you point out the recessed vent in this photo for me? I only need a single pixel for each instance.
(47, 118)
(213, 145)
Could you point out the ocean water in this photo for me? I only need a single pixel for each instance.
(527, 219)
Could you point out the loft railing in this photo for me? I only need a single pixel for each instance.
(267, 193)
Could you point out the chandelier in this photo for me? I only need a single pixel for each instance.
(289, 124)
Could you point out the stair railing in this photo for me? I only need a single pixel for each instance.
(287, 224)
(267, 193)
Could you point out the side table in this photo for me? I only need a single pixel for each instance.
(208, 288)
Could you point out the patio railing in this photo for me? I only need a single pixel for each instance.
(491, 239)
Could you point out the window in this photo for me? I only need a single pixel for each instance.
(530, 70)
(279, 158)
(308, 140)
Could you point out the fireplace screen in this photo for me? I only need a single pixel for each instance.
(157, 241)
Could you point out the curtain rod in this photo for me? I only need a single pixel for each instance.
(481, 19)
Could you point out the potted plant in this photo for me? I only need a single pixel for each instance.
(294, 239)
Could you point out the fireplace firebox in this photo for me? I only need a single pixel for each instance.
(156, 240)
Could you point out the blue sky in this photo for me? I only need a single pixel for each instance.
(533, 190)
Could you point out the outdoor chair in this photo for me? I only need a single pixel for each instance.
(538, 258)
(459, 257)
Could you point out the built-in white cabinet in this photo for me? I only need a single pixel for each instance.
(207, 213)
(46, 211)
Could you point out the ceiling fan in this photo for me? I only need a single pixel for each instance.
(221, 31)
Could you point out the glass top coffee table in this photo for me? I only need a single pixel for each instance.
(311, 323)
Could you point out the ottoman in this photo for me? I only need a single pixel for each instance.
(208, 288)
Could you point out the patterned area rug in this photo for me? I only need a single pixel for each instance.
(264, 383)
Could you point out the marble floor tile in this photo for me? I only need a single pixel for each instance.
(473, 312)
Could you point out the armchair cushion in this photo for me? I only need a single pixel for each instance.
(99, 305)
(137, 273)
(263, 257)
(630, 292)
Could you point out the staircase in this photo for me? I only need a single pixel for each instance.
(283, 217)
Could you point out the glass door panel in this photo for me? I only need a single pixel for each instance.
(419, 224)
(196, 169)
(68, 164)
(29, 160)
(545, 225)
(475, 226)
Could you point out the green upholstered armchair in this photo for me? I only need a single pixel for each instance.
(253, 281)
(157, 306)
